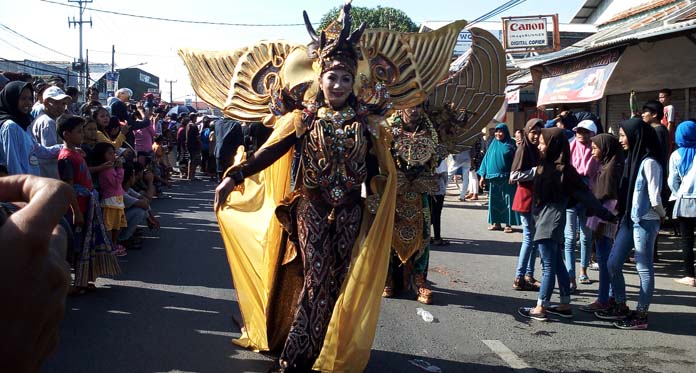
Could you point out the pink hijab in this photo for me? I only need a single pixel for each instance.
(581, 158)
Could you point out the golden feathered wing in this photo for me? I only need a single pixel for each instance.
(461, 105)
(241, 83)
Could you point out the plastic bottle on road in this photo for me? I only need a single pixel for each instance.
(427, 316)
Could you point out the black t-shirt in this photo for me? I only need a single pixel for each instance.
(193, 138)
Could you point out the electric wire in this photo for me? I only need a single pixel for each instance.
(34, 42)
(180, 20)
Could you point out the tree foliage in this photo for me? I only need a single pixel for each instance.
(379, 17)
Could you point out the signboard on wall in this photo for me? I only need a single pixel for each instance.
(530, 33)
(464, 41)
(581, 80)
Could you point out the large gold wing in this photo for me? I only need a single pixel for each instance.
(256, 73)
(465, 102)
(211, 73)
(410, 64)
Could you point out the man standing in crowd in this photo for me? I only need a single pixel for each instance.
(44, 127)
(120, 109)
(194, 147)
(228, 137)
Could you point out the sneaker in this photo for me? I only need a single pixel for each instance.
(634, 321)
(567, 314)
(595, 307)
(594, 266)
(519, 283)
(618, 312)
(532, 283)
(527, 312)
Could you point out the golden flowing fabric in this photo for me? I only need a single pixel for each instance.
(252, 237)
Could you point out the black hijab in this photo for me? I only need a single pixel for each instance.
(555, 176)
(9, 102)
(607, 185)
(527, 155)
(642, 142)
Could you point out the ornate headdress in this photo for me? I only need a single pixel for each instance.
(334, 47)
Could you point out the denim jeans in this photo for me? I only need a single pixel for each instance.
(552, 264)
(134, 216)
(576, 218)
(528, 250)
(603, 246)
(640, 236)
(465, 179)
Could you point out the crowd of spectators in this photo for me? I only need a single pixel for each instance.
(116, 157)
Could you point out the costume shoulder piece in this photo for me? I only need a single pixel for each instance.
(273, 78)
(465, 102)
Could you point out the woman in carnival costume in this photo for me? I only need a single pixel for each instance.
(309, 256)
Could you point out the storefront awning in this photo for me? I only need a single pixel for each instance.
(580, 80)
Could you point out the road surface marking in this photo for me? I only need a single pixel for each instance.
(506, 354)
(215, 332)
(187, 309)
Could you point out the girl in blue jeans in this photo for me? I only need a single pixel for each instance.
(606, 149)
(522, 172)
(640, 190)
(555, 183)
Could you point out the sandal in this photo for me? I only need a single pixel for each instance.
(583, 279)
(495, 227)
(508, 229)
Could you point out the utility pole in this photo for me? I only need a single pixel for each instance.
(171, 95)
(86, 72)
(80, 66)
(113, 55)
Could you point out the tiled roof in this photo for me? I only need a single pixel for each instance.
(675, 18)
(639, 9)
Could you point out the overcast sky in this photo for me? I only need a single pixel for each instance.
(155, 42)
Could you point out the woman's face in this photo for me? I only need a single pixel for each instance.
(26, 101)
(102, 118)
(533, 136)
(596, 152)
(542, 145)
(623, 139)
(336, 85)
(91, 131)
(499, 135)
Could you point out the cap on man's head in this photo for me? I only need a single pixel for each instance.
(55, 93)
(588, 125)
(550, 123)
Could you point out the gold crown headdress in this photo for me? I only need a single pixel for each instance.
(335, 45)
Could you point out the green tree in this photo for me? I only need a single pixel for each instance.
(389, 18)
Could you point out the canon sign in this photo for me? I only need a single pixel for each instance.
(530, 32)
(527, 26)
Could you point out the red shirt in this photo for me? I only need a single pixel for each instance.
(80, 174)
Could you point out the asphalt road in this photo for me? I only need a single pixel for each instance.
(172, 309)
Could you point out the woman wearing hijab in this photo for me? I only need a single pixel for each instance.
(606, 149)
(640, 201)
(19, 151)
(495, 168)
(555, 183)
(682, 183)
(576, 220)
(523, 167)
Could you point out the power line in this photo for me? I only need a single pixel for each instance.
(136, 54)
(502, 8)
(20, 49)
(181, 20)
(35, 42)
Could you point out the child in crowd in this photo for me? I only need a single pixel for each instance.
(555, 183)
(606, 150)
(576, 219)
(110, 181)
(437, 201)
(639, 199)
(93, 249)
